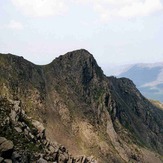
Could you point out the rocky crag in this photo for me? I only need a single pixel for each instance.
(26, 140)
(90, 114)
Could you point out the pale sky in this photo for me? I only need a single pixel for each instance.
(116, 32)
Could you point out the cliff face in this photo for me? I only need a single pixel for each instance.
(81, 108)
(137, 114)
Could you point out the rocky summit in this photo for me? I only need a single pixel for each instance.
(68, 111)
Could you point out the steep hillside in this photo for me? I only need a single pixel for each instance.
(84, 110)
(148, 78)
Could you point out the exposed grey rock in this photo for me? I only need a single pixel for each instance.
(16, 157)
(81, 159)
(52, 149)
(6, 121)
(91, 159)
(41, 160)
(18, 129)
(16, 106)
(62, 158)
(70, 160)
(7, 161)
(2, 140)
(32, 136)
(62, 148)
(38, 125)
(6, 147)
(26, 132)
(22, 157)
(54, 155)
(13, 115)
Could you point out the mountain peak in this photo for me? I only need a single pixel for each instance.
(77, 64)
(81, 54)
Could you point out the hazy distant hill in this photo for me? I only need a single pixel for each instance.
(148, 79)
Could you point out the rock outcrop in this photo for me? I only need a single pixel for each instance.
(71, 101)
(28, 139)
(6, 147)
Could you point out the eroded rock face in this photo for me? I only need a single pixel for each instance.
(137, 114)
(72, 102)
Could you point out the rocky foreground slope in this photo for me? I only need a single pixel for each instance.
(27, 140)
(90, 114)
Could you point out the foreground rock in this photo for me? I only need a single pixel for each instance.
(30, 143)
(6, 148)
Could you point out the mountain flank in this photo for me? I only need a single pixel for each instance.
(87, 112)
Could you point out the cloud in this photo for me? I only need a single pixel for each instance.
(110, 9)
(140, 8)
(13, 24)
(40, 8)
(107, 9)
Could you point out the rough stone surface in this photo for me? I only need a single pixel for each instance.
(7, 161)
(18, 129)
(2, 140)
(52, 151)
(6, 147)
(41, 160)
(38, 125)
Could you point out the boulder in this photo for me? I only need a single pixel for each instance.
(6, 147)
(63, 157)
(51, 149)
(21, 157)
(62, 148)
(41, 160)
(13, 115)
(81, 159)
(70, 160)
(18, 129)
(38, 125)
(7, 161)
(16, 157)
(2, 139)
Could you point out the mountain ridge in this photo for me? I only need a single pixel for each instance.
(82, 108)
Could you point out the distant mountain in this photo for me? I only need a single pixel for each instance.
(157, 104)
(148, 79)
(72, 102)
